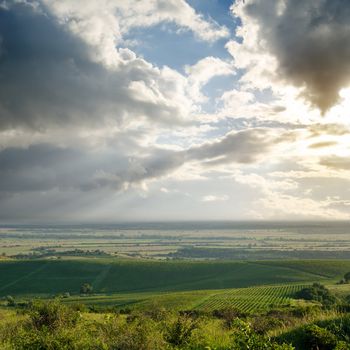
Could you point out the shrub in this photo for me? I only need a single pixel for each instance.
(86, 288)
(228, 315)
(263, 324)
(10, 300)
(317, 338)
(52, 315)
(246, 338)
(317, 292)
(179, 332)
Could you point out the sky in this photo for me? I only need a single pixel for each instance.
(157, 110)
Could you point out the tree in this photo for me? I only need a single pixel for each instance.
(86, 288)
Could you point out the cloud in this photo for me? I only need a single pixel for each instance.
(328, 129)
(45, 167)
(309, 43)
(49, 78)
(214, 198)
(203, 71)
(245, 146)
(336, 162)
(144, 14)
(104, 23)
(323, 144)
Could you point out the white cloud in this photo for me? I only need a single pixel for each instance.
(203, 71)
(103, 23)
(215, 198)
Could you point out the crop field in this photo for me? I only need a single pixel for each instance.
(323, 268)
(252, 299)
(180, 241)
(176, 285)
(340, 290)
(168, 300)
(108, 276)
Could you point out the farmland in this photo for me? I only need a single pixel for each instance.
(176, 269)
(47, 277)
(177, 285)
(248, 300)
(252, 299)
(220, 241)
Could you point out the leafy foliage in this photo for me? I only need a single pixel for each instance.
(317, 292)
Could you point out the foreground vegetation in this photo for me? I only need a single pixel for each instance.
(51, 325)
(148, 305)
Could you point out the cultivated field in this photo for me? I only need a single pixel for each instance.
(179, 285)
(49, 277)
(224, 241)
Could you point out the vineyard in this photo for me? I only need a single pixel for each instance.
(251, 299)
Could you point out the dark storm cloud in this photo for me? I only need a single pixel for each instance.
(48, 77)
(37, 168)
(311, 41)
(45, 167)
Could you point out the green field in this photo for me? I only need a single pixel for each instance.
(124, 276)
(224, 303)
(178, 285)
(250, 299)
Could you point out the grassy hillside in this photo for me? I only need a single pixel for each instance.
(124, 276)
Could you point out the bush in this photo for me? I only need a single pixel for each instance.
(180, 331)
(228, 315)
(317, 338)
(246, 338)
(10, 300)
(140, 334)
(263, 324)
(52, 315)
(86, 288)
(317, 292)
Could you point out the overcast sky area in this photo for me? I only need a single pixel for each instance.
(122, 110)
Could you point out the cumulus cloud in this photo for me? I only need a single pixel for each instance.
(203, 71)
(309, 42)
(48, 78)
(83, 118)
(103, 24)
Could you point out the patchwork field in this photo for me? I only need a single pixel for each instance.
(223, 241)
